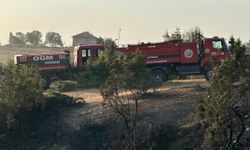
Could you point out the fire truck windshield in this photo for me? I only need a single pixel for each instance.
(220, 44)
(217, 44)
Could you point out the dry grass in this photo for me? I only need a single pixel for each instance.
(89, 95)
(93, 95)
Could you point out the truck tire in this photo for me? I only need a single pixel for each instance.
(208, 73)
(159, 75)
(45, 83)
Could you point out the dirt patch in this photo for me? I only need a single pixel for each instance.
(174, 104)
(171, 109)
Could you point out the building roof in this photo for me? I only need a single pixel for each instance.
(84, 35)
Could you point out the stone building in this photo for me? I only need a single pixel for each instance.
(84, 38)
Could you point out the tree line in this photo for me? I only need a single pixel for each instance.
(54, 39)
(34, 38)
(188, 35)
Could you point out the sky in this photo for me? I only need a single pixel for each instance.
(139, 20)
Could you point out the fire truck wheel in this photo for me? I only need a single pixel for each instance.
(45, 83)
(159, 75)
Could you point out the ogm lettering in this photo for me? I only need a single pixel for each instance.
(45, 57)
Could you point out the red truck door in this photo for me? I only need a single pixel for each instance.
(215, 46)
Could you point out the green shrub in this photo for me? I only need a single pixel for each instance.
(95, 74)
(225, 108)
(137, 75)
(22, 103)
(21, 95)
(128, 78)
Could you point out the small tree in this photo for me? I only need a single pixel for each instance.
(125, 105)
(20, 93)
(109, 41)
(100, 40)
(95, 74)
(34, 38)
(175, 35)
(192, 33)
(138, 77)
(127, 79)
(53, 39)
(21, 38)
(224, 109)
(17, 40)
(11, 39)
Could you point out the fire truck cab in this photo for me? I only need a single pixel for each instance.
(84, 53)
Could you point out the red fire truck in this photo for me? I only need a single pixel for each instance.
(163, 59)
(166, 58)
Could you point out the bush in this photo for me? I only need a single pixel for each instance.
(95, 74)
(20, 95)
(128, 78)
(137, 75)
(226, 106)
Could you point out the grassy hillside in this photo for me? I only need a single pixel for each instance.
(7, 52)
